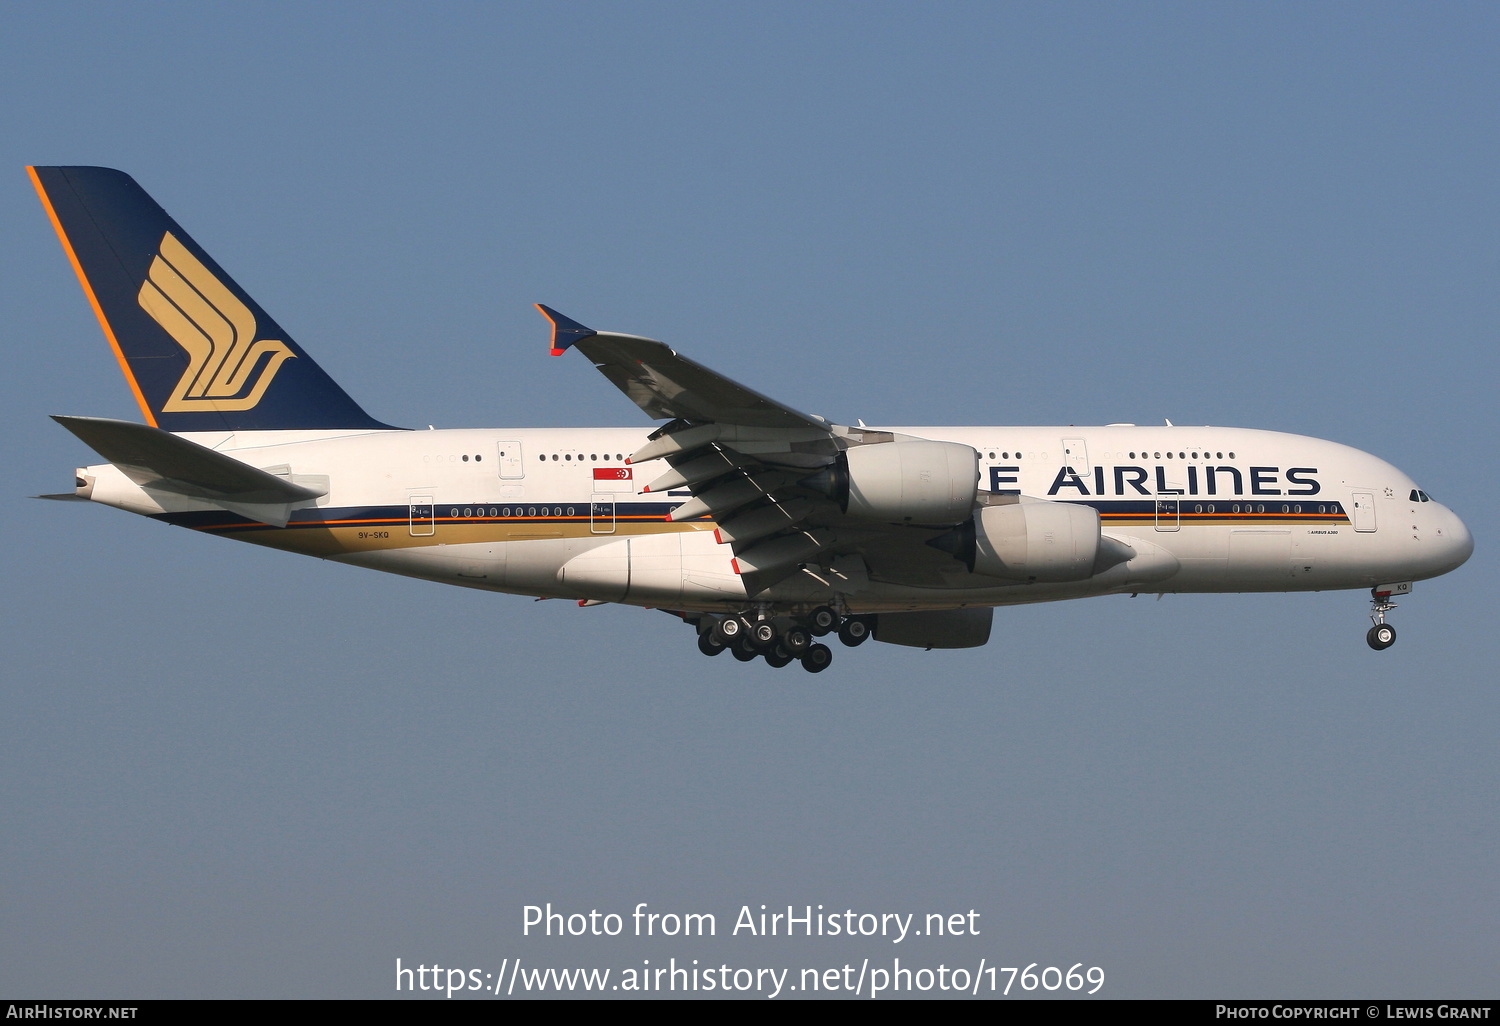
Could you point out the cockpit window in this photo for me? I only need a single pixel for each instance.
(1417, 495)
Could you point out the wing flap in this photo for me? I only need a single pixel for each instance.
(784, 552)
(689, 473)
(762, 522)
(683, 442)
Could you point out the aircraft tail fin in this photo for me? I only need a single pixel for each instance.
(197, 351)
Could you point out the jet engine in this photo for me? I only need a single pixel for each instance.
(915, 482)
(1037, 540)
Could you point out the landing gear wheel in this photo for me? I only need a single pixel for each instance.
(854, 631)
(763, 633)
(778, 656)
(731, 627)
(708, 646)
(1382, 636)
(743, 650)
(817, 658)
(797, 640)
(822, 620)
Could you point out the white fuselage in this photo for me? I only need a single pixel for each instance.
(559, 513)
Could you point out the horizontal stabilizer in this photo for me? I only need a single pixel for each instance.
(159, 459)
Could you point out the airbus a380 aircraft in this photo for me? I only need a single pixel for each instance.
(762, 526)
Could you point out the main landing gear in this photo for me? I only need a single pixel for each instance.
(780, 640)
(1381, 636)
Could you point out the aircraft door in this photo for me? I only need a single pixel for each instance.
(512, 466)
(419, 517)
(1364, 511)
(1168, 504)
(1168, 513)
(1076, 454)
(602, 513)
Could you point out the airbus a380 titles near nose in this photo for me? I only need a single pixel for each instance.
(763, 527)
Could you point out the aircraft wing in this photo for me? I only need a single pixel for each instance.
(667, 385)
(756, 467)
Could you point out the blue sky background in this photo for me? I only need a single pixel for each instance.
(233, 772)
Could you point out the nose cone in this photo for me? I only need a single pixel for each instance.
(1455, 543)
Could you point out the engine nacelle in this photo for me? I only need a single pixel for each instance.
(916, 482)
(1032, 541)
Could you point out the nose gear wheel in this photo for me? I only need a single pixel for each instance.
(1382, 635)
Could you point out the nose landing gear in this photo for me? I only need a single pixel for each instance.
(1382, 635)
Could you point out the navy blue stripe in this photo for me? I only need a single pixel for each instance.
(1121, 512)
(388, 516)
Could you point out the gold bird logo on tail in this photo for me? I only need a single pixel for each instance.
(215, 329)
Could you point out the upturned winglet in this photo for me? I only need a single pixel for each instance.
(566, 332)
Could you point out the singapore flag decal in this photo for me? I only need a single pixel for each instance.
(612, 473)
